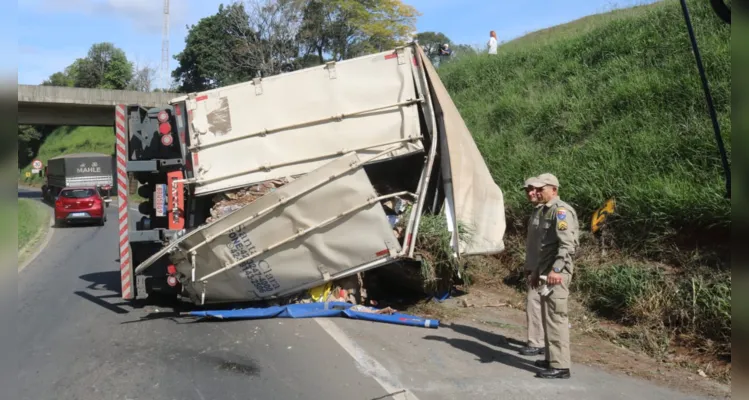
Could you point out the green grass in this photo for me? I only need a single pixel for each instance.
(71, 139)
(613, 106)
(439, 267)
(31, 219)
(693, 306)
(575, 28)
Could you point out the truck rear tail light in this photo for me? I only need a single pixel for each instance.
(167, 140)
(165, 128)
(163, 116)
(171, 280)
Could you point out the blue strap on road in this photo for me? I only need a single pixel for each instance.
(315, 310)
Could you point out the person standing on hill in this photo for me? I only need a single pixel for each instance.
(533, 304)
(492, 43)
(558, 232)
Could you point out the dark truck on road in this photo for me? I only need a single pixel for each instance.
(78, 170)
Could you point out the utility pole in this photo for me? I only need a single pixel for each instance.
(164, 69)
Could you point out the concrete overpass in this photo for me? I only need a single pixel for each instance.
(51, 105)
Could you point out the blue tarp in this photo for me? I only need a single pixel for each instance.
(313, 310)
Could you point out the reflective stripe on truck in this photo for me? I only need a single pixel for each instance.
(126, 265)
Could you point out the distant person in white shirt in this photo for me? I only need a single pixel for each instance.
(492, 44)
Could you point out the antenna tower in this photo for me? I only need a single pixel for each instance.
(164, 69)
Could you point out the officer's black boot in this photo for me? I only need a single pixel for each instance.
(554, 373)
(531, 351)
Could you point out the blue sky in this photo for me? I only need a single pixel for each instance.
(51, 34)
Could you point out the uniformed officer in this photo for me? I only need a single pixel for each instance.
(535, 344)
(558, 232)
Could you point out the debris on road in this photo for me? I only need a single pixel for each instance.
(225, 203)
(315, 310)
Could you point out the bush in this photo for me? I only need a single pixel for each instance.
(617, 291)
(694, 305)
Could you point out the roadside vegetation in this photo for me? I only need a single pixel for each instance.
(71, 139)
(612, 105)
(32, 220)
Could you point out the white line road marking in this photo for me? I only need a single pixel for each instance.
(366, 363)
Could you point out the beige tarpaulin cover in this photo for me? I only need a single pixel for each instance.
(293, 109)
(354, 240)
(479, 203)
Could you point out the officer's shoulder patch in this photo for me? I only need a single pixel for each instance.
(562, 225)
(561, 214)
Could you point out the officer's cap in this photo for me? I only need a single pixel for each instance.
(548, 179)
(533, 181)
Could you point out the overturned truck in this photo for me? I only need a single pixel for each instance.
(268, 188)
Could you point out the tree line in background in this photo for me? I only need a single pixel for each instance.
(247, 39)
(256, 38)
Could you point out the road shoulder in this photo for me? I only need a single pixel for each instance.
(31, 250)
(474, 354)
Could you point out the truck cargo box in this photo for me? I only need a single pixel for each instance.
(81, 169)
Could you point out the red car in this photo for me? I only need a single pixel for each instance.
(83, 204)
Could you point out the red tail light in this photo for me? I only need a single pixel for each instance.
(165, 128)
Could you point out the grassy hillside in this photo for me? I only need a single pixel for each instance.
(68, 140)
(613, 106)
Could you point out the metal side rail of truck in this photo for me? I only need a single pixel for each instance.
(351, 140)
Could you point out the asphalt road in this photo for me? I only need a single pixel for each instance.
(79, 340)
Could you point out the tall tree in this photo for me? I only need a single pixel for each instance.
(105, 66)
(211, 57)
(142, 78)
(59, 79)
(29, 140)
(66, 77)
(431, 41)
(267, 34)
(350, 28)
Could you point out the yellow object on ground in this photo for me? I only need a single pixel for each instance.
(320, 293)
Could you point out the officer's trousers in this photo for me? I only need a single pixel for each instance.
(535, 320)
(556, 324)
